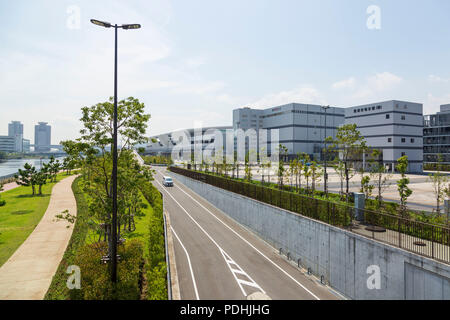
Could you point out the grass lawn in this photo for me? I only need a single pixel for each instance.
(20, 216)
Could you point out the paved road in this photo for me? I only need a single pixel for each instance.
(219, 259)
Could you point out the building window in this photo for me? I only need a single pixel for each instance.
(354, 111)
(412, 140)
(403, 117)
(403, 139)
(378, 107)
(403, 154)
(387, 116)
(389, 139)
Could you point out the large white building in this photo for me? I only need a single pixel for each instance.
(395, 127)
(163, 144)
(302, 127)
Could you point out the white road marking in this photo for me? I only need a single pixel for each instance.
(189, 262)
(240, 282)
(262, 254)
(213, 241)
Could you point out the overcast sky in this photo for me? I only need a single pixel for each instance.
(198, 60)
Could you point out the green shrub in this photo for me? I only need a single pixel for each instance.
(95, 276)
(58, 289)
(156, 282)
(156, 271)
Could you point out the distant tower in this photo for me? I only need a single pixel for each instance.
(42, 137)
(15, 129)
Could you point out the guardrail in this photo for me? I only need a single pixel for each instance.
(422, 238)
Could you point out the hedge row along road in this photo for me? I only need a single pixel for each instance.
(219, 259)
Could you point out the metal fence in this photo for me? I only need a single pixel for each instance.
(422, 238)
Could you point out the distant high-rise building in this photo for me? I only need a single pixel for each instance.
(15, 127)
(15, 130)
(42, 137)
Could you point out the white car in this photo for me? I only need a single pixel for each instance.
(167, 181)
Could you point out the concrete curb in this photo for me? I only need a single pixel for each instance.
(172, 263)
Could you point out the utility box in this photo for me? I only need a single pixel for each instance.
(359, 206)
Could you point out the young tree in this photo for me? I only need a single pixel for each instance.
(349, 142)
(96, 137)
(380, 175)
(438, 179)
(282, 151)
(339, 167)
(315, 173)
(24, 177)
(293, 168)
(402, 184)
(39, 179)
(302, 159)
(52, 168)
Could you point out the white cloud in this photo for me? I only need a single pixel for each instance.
(303, 94)
(195, 62)
(436, 79)
(344, 84)
(383, 81)
(377, 86)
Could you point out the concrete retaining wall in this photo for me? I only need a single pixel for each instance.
(347, 261)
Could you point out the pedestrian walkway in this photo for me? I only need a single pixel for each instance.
(29, 271)
(9, 186)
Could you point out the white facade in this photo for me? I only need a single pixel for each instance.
(395, 127)
(163, 144)
(301, 126)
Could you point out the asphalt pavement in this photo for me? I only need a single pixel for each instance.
(217, 258)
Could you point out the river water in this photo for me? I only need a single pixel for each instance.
(11, 166)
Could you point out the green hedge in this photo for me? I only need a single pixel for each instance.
(135, 266)
(95, 276)
(434, 166)
(156, 269)
(58, 289)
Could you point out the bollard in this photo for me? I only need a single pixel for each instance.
(309, 271)
(299, 261)
(281, 251)
(359, 206)
(288, 256)
(322, 279)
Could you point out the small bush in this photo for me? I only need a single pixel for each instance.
(95, 276)
(2, 202)
(156, 282)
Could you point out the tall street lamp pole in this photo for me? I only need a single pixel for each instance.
(113, 251)
(325, 174)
